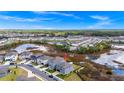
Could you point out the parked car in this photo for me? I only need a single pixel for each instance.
(51, 76)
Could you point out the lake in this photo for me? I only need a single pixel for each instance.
(112, 59)
(26, 47)
(118, 72)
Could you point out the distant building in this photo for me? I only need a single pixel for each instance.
(61, 43)
(72, 48)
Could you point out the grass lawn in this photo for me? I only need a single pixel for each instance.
(13, 74)
(50, 70)
(34, 64)
(76, 67)
(62, 76)
(43, 66)
(69, 77)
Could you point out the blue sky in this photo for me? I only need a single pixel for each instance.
(61, 20)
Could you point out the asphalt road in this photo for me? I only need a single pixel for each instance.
(4, 66)
(41, 74)
(38, 72)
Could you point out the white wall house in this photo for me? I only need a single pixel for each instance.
(11, 56)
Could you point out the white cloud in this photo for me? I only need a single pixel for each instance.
(19, 19)
(100, 17)
(101, 21)
(58, 13)
(99, 24)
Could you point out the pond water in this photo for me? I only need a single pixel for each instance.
(112, 59)
(118, 72)
(24, 47)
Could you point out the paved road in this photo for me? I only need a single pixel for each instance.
(4, 66)
(41, 74)
(38, 72)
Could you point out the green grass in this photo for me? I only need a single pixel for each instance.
(61, 76)
(76, 67)
(64, 76)
(50, 70)
(69, 77)
(34, 64)
(43, 66)
(15, 72)
(11, 76)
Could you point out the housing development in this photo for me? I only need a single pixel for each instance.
(38, 55)
(61, 46)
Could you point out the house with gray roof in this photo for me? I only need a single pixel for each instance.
(43, 60)
(40, 59)
(64, 68)
(54, 61)
(25, 55)
(60, 65)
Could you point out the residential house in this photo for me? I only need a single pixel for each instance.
(1, 58)
(43, 59)
(64, 67)
(25, 55)
(11, 56)
(53, 62)
(60, 65)
(40, 59)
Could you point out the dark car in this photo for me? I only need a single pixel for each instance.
(12, 63)
(51, 76)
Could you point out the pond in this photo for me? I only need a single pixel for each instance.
(109, 58)
(113, 59)
(26, 47)
(119, 72)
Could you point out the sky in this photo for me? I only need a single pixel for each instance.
(62, 20)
